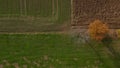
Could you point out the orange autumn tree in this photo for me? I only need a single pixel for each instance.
(98, 30)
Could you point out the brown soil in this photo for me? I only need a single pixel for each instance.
(86, 11)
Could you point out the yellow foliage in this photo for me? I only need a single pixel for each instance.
(118, 33)
(98, 30)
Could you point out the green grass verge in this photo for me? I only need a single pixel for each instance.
(46, 51)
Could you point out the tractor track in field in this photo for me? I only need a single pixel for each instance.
(24, 18)
(35, 33)
(53, 7)
(55, 14)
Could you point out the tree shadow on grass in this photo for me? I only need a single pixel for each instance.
(107, 42)
(113, 53)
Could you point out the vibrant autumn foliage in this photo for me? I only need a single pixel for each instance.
(98, 30)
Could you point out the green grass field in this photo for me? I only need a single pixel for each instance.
(47, 51)
(34, 16)
(26, 7)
